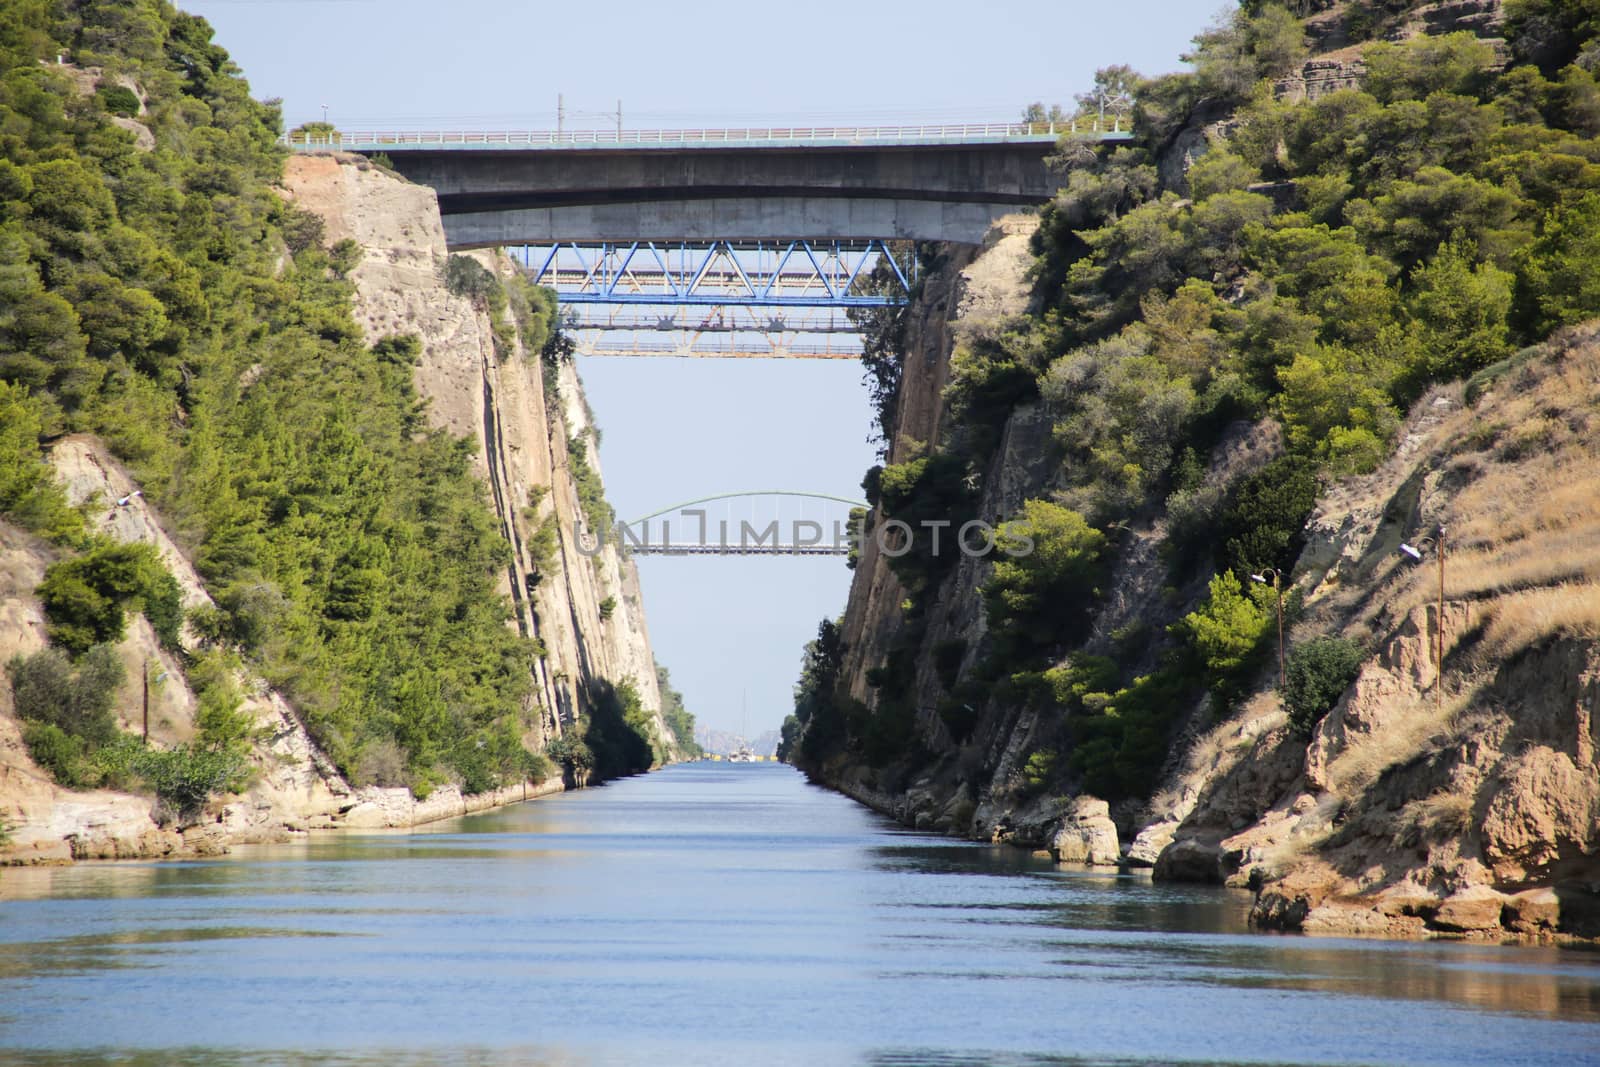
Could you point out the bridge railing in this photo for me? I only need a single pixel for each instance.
(1111, 127)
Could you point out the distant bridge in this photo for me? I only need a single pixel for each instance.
(929, 182)
(798, 534)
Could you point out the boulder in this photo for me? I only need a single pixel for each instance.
(1149, 843)
(1190, 860)
(1533, 911)
(1473, 909)
(1086, 834)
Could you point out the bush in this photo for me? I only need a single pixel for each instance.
(84, 596)
(571, 751)
(60, 753)
(119, 100)
(1039, 769)
(29, 495)
(1041, 596)
(47, 688)
(381, 762)
(1317, 674)
(187, 775)
(1227, 632)
(1263, 522)
(465, 276)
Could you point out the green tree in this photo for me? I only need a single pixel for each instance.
(1318, 673)
(1227, 631)
(1459, 315)
(1560, 283)
(1045, 579)
(29, 495)
(84, 596)
(1451, 63)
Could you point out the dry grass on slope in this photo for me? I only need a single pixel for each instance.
(1524, 519)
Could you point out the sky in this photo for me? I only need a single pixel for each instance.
(731, 630)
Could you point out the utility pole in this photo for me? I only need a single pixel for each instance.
(1436, 543)
(1438, 682)
(619, 120)
(1277, 587)
(561, 112)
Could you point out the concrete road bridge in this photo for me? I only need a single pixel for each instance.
(930, 182)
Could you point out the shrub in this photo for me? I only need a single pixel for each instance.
(1317, 674)
(84, 596)
(1039, 769)
(1120, 738)
(29, 495)
(570, 750)
(1263, 521)
(60, 753)
(119, 100)
(1041, 596)
(1226, 633)
(608, 608)
(465, 276)
(187, 775)
(47, 688)
(381, 762)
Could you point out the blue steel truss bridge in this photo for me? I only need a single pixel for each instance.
(725, 299)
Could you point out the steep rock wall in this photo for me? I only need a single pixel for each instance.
(522, 457)
(523, 445)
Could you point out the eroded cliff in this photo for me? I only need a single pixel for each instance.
(584, 609)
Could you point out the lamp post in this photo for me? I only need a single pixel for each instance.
(1436, 543)
(1277, 587)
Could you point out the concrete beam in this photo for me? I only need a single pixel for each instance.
(750, 218)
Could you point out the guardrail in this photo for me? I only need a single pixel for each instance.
(931, 133)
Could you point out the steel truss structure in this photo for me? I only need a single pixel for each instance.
(716, 332)
(792, 274)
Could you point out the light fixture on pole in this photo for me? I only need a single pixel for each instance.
(1277, 587)
(1416, 552)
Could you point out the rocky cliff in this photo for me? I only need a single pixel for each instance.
(1458, 799)
(585, 610)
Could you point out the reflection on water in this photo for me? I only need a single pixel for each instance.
(725, 914)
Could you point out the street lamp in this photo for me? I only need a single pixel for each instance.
(1436, 543)
(1277, 587)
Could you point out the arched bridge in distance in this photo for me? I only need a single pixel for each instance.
(930, 182)
(756, 522)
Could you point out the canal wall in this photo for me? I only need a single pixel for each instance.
(585, 611)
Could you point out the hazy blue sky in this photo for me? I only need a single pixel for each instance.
(678, 429)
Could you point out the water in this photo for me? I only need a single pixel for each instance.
(725, 914)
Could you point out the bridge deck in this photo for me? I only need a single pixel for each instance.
(744, 137)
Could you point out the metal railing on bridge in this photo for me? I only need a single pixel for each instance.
(1111, 128)
(740, 550)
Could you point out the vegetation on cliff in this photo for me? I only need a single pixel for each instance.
(1308, 268)
(157, 291)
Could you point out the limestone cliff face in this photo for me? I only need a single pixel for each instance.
(974, 290)
(523, 459)
(1457, 799)
(522, 434)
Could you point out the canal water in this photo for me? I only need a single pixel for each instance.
(725, 914)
